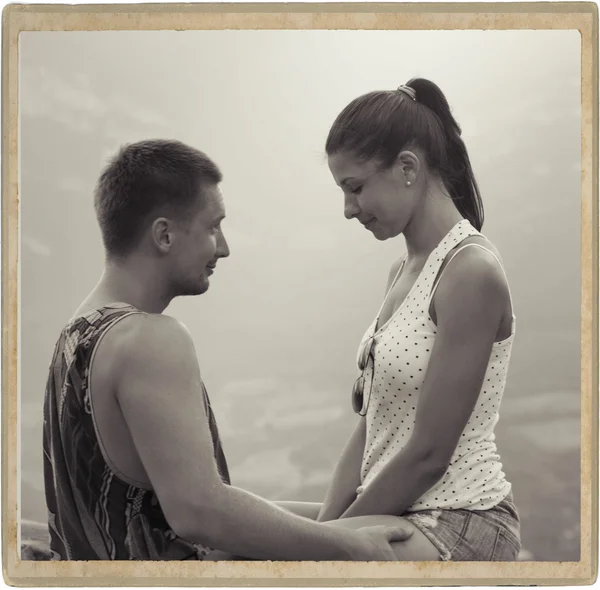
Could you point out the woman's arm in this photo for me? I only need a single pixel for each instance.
(346, 477)
(469, 305)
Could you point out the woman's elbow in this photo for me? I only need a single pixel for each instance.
(436, 468)
(432, 461)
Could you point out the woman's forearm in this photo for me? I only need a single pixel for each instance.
(346, 477)
(337, 501)
(400, 484)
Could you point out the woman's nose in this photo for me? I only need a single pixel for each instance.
(351, 208)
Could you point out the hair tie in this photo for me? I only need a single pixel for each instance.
(410, 92)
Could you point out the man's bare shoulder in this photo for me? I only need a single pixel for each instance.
(145, 339)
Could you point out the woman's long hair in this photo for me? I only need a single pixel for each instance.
(379, 125)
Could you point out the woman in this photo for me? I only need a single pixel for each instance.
(434, 360)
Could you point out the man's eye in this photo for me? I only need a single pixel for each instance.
(356, 190)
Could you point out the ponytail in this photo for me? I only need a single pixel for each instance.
(378, 125)
(455, 164)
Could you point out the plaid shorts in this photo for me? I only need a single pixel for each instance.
(472, 535)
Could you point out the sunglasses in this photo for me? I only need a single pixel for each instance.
(360, 402)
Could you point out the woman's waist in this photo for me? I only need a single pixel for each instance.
(473, 456)
(392, 423)
(470, 479)
(480, 495)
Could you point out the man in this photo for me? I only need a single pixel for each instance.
(133, 462)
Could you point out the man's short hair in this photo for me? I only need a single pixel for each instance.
(149, 177)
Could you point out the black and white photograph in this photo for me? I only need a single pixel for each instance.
(300, 295)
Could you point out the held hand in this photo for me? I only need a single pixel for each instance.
(377, 539)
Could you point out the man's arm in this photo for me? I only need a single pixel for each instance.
(346, 477)
(160, 394)
(469, 305)
(308, 510)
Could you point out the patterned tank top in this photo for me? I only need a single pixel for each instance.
(92, 514)
(395, 376)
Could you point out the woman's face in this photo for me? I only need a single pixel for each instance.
(379, 199)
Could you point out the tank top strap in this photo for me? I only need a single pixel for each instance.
(459, 232)
(87, 329)
(99, 318)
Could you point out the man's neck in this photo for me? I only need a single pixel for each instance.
(131, 282)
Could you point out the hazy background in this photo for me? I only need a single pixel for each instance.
(278, 330)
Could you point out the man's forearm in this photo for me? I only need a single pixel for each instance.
(243, 524)
(308, 510)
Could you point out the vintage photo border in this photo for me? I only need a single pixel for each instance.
(416, 16)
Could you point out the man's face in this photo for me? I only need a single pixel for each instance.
(200, 243)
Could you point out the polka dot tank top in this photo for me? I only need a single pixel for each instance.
(395, 375)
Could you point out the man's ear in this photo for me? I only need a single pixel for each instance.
(162, 234)
(410, 165)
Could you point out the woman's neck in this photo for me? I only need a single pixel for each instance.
(430, 223)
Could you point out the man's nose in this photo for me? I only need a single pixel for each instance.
(222, 247)
(351, 208)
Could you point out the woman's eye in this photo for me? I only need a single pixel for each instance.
(356, 190)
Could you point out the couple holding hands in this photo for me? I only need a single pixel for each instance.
(133, 462)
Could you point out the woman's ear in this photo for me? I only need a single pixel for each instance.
(162, 236)
(410, 166)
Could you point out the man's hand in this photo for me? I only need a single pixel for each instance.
(377, 539)
(161, 395)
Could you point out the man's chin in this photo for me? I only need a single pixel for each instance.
(198, 289)
(203, 287)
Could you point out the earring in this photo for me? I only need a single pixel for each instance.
(408, 183)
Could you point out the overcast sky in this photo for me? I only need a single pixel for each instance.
(285, 312)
